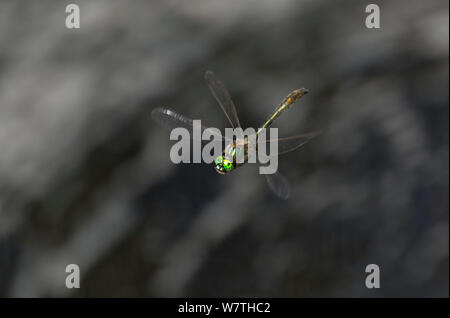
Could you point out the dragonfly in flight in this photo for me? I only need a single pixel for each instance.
(227, 162)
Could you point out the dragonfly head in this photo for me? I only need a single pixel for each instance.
(223, 165)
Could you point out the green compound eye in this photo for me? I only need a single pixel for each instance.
(227, 165)
(219, 160)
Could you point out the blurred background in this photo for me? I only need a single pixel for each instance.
(86, 177)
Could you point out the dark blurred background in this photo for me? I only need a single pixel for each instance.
(86, 178)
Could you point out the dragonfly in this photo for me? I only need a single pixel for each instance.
(226, 162)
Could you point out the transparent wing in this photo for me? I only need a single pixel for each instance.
(222, 96)
(279, 185)
(288, 144)
(170, 120)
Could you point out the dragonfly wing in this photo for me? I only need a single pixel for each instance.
(171, 119)
(279, 185)
(222, 96)
(288, 144)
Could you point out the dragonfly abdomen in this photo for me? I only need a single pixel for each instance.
(287, 102)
